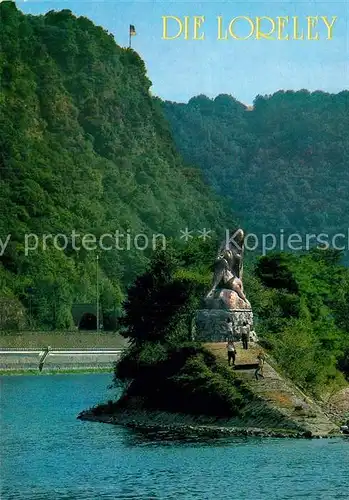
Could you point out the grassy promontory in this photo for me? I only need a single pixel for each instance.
(190, 390)
(171, 383)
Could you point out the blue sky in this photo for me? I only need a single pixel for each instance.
(180, 69)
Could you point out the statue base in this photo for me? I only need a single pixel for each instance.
(212, 324)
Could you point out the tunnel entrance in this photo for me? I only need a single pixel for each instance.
(88, 322)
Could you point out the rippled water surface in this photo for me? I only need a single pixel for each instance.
(48, 454)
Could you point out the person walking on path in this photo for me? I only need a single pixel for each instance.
(231, 352)
(245, 335)
(260, 368)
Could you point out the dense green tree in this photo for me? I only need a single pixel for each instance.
(297, 301)
(161, 304)
(163, 367)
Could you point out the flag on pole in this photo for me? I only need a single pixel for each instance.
(132, 30)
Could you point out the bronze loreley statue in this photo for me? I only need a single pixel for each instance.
(228, 267)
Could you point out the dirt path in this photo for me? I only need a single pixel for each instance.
(276, 391)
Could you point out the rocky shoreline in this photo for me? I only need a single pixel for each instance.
(185, 426)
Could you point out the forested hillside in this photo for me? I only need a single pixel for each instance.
(85, 148)
(284, 164)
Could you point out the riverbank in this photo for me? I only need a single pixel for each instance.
(70, 352)
(58, 371)
(58, 361)
(164, 423)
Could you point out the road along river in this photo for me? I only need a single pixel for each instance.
(57, 359)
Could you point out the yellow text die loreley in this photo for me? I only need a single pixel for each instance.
(244, 28)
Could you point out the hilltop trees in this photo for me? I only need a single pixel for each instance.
(282, 164)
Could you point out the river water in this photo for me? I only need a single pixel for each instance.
(48, 454)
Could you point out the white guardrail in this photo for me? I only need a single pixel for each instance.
(60, 352)
(43, 355)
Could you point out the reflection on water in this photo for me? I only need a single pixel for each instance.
(48, 454)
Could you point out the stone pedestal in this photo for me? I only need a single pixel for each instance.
(212, 325)
(211, 322)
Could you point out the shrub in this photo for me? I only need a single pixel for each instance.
(184, 379)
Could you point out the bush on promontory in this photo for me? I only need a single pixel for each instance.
(186, 379)
(164, 369)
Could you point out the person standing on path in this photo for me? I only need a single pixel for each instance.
(231, 352)
(260, 368)
(245, 335)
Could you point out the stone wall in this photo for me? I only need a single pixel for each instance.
(212, 325)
